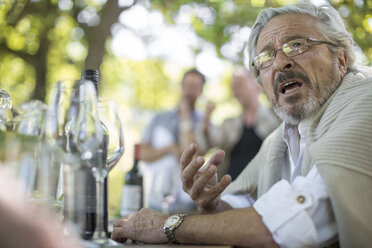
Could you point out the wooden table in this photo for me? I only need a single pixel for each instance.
(173, 245)
(87, 244)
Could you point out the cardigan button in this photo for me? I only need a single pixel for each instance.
(301, 199)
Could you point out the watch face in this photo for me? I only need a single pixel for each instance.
(172, 220)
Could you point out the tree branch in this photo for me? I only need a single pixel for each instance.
(17, 12)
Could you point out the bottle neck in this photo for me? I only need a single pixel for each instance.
(92, 75)
(135, 166)
(136, 157)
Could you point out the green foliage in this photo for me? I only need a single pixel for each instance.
(16, 76)
(358, 18)
(146, 84)
(242, 13)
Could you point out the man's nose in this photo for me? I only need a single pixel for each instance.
(282, 62)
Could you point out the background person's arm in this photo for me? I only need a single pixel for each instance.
(150, 154)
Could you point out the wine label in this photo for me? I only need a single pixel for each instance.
(130, 199)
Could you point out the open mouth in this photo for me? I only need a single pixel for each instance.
(290, 87)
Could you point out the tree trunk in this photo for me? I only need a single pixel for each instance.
(40, 65)
(96, 36)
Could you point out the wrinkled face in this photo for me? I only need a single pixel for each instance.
(192, 87)
(298, 86)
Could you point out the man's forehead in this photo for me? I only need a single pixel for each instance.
(282, 28)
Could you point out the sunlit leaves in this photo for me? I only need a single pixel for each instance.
(67, 39)
(76, 51)
(12, 71)
(63, 26)
(258, 3)
(285, 2)
(15, 40)
(367, 23)
(148, 87)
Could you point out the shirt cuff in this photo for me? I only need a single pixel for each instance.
(282, 205)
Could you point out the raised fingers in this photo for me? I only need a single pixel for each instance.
(216, 190)
(188, 174)
(201, 182)
(187, 156)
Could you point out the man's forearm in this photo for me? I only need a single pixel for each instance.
(150, 154)
(238, 227)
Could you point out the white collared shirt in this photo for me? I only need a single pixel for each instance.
(297, 209)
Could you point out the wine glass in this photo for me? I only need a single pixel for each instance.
(109, 116)
(91, 138)
(5, 106)
(167, 187)
(29, 118)
(53, 154)
(23, 149)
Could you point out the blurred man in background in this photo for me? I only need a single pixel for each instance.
(162, 143)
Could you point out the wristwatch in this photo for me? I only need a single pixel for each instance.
(171, 224)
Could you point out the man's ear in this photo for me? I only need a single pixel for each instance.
(342, 62)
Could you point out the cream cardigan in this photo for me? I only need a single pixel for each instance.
(340, 145)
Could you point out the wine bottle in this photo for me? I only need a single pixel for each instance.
(132, 193)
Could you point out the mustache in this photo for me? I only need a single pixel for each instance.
(289, 75)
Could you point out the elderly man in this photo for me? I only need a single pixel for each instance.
(312, 177)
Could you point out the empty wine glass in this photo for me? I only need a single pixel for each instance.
(30, 118)
(25, 147)
(109, 116)
(167, 187)
(91, 138)
(53, 153)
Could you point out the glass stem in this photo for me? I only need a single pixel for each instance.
(99, 232)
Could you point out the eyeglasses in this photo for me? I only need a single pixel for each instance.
(290, 49)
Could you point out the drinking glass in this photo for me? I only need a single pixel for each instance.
(5, 106)
(167, 188)
(91, 137)
(109, 116)
(53, 154)
(29, 118)
(24, 146)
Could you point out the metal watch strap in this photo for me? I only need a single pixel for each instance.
(169, 231)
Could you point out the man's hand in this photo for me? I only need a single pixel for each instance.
(144, 226)
(201, 183)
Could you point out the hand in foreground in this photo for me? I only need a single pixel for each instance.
(144, 226)
(201, 183)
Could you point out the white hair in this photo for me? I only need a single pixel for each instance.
(330, 24)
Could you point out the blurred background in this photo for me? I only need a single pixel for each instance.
(142, 49)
